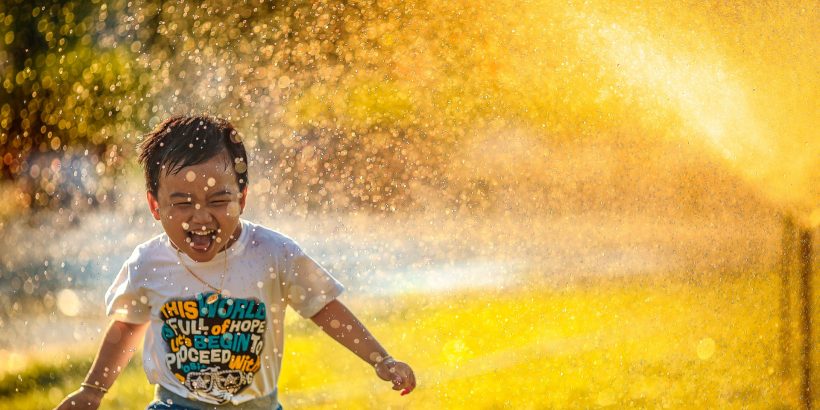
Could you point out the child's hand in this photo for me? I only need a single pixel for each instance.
(397, 372)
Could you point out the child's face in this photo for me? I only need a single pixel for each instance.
(199, 207)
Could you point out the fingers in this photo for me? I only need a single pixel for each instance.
(412, 386)
(412, 383)
(401, 375)
(404, 380)
(398, 381)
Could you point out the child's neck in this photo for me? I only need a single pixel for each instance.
(233, 238)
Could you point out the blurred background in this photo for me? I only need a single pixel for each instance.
(540, 204)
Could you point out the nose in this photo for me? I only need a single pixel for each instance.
(201, 215)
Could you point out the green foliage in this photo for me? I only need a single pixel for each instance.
(41, 375)
(67, 80)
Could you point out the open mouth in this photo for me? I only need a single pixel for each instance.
(201, 240)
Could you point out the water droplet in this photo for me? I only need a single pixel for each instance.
(236, 138)
(68, 302)
(190, 176)
(211, 182)
(706, 348)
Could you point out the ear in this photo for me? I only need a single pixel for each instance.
(153, 205)
(242, 199)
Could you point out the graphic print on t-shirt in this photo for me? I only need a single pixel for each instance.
(214, 348)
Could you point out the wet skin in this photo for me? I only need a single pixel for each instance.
(204, 199)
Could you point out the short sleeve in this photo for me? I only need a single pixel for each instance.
(124, 300)
(308, 286)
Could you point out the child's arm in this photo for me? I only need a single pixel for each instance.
(340, 324)
(118, 345)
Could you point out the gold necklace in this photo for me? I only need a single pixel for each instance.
(213, 298)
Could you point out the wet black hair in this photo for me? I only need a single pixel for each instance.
(182, 141)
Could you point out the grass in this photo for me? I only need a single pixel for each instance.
(639, 342)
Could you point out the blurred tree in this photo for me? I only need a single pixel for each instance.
(67, 80)
(82, 77)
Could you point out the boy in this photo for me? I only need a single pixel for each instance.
(209, 295)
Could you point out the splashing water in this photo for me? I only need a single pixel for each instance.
(590, 186)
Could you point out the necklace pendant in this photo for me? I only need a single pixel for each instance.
(213, 298)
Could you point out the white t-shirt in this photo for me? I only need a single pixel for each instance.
(229, 350)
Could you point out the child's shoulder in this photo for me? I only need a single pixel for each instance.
(260, 235)
(156, 246)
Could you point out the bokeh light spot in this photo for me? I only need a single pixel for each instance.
(706, 348)
(68, 302)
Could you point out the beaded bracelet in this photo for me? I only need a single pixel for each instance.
(384, 359)
(95, 387)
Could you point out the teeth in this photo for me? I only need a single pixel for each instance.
(202, 233)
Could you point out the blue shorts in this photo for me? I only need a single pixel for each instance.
(164, 399)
